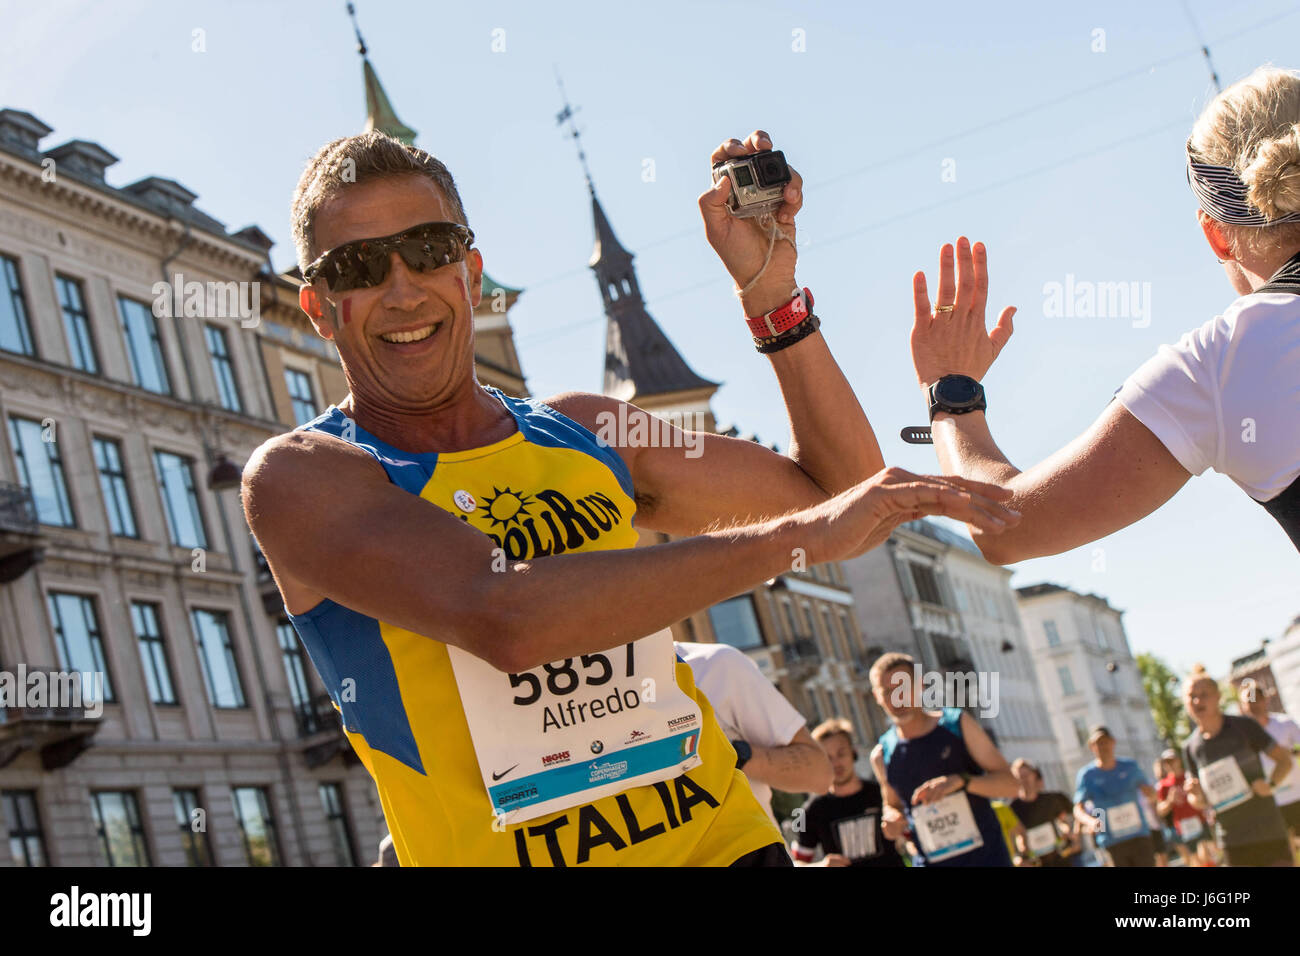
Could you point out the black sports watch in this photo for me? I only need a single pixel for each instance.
(957, 395)
(743, 753)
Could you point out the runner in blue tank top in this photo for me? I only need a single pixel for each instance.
(938, 772)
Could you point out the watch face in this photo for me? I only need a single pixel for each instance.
(957, 390)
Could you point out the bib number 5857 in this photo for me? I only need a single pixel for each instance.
(561, 678)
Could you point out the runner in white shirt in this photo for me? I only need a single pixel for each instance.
(1287, 733)
(773, 745)
(1226, 396)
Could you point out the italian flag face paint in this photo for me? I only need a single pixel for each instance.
(347, 311)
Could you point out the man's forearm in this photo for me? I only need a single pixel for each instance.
(830, 437)
(998, 785)
(564, 606)
(794, 768)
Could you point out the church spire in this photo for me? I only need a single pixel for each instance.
(641, 363)
(380, 114)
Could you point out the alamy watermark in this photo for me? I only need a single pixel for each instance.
(45, 689)
(1084, 299)
(208, 300)
(635, 428)
(940, 689)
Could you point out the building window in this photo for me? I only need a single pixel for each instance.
(301, 395)
(121, 833)
(814, 705)
(256, 826)
(76, 633)
(1101, 634)
(40, 470)
(23, 821)
(847, 628)
(112, 483)
(81, 344)
(735, 623)
(832, 640)
(1080, 731)
(295, 670)
(198, 852)
(1053, 638)
(153, 653)
(180, 500)
(15, 334)
(331, 798)
(220, 671)
(927, 585)
(1067, 682)
(223, 369)
(790, 621)
(140, 328)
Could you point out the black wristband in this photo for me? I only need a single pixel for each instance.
(788, 338)
(743, 753)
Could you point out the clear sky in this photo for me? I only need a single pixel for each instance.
(1018, 124)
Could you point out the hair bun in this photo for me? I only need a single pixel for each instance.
(1273, 175)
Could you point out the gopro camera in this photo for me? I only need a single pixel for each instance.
(757, 182)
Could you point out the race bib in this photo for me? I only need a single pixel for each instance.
(1224, 784)
(946, 828)
(579, 729)
(857, 837)
(1123, 821)
(1189, 828)
(1042, 839)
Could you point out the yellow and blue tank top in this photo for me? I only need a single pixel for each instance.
(549, 488)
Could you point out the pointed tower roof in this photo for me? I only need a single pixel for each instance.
(640, 360)
(608, 249)
(380, 114)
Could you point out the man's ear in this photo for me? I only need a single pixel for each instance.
(474, 262)
(320, 312)
(1214, 236)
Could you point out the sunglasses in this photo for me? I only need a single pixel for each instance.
(364, 263)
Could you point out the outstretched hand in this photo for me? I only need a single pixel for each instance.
(861, 518)
(951, 338)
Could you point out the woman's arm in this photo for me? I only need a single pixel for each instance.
(1107, 478)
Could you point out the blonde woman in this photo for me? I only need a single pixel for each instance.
(1195, 405)
(1225, 775)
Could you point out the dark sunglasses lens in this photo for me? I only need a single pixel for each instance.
(424, 254)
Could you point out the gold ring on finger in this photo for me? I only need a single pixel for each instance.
(944, 308)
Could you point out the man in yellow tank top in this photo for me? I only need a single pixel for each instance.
(512, 710)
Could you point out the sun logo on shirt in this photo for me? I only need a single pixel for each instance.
(506, 506)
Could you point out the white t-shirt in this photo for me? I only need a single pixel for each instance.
(748, 705)
(1227, 396)
(1286, 732)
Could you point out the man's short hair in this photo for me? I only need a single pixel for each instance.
(886, 663)
(356, 159)
(835, 727)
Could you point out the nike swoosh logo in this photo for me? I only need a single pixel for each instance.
(497, 776)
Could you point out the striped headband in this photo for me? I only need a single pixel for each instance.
(1222, 195)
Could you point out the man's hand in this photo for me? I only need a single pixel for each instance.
(934, 790)
(893, 824)
(742, 244)
(861, 518)
(1261, 787)
(954, 341)
(832, 859)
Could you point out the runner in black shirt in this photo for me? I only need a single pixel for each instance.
(1225, 774)
(1048, 818)
(845, 822)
